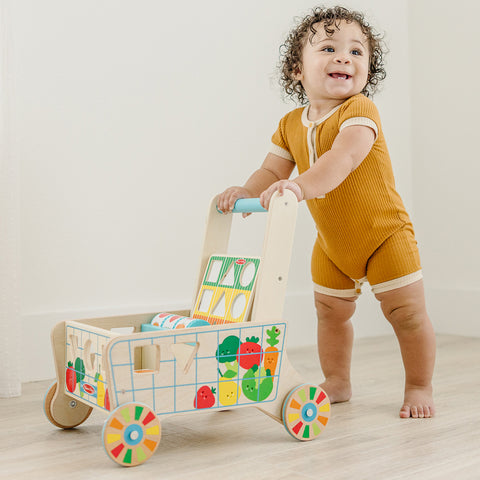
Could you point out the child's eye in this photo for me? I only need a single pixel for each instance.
(356, 52)
(328, 49)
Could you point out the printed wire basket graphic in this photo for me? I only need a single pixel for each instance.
(187, 374)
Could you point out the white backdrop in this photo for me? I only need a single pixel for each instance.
(128, 117)
(10, 321)
(446, 158)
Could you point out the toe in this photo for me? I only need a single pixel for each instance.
(428, 411)
(414, 412)
(420, 411)
(405, 411)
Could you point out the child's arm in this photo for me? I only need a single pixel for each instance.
(348, 151)
(273, 169)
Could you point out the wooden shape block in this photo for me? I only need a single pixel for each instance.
(226, 291)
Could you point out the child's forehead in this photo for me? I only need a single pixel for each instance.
(343, 27)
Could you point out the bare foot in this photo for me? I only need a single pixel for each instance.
(418, 403)
(337, 390)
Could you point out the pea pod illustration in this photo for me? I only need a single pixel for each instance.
(257, 384)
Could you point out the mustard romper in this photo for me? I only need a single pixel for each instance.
(364, 231)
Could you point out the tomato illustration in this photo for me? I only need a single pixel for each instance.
(71, 378)
(205, 397)
(250, 353)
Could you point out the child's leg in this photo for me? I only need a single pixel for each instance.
(405, 309)
(335, 341)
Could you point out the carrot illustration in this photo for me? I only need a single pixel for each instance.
(271, 353)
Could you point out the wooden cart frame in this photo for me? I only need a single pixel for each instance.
(139, 377)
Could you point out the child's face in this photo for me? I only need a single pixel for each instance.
(335, 67)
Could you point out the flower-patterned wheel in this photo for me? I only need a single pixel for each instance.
(306, 411)
(131, 434)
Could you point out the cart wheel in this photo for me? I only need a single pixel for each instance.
(306, 411)
(131, 434)
(64, 411)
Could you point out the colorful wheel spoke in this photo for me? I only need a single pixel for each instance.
(128, 457)
(323, 420)
(302, 395)
(131, 434)
(295, 404)
(150, 444)
(138, 413)
(141, 455)
(116, 451)
(116, 424)
(148, 418)
(306, 411)
(324, 408)
(321, 397)
(113, 437)
(297, 427)
(155, 430)
(125, 412)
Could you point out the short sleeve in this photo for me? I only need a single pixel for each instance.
(359, 110)
(279, 144)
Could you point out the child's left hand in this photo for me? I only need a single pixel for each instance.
(280, 186)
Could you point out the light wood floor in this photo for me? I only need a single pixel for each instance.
(364, 440)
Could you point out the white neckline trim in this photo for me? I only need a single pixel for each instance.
(309, 124)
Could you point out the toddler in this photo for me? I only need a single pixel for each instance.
(331, 63)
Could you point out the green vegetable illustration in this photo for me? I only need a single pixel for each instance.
(80, 371)
(257, 384)
(227, 350)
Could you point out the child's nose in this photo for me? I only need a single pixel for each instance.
(342, 59)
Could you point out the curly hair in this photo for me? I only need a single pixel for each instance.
(291, 50)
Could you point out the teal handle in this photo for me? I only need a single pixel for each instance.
(248, 205)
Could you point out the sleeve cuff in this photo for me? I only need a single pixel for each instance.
(363, 121)
(281, 152)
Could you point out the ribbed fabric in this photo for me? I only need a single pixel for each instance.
(355, 218)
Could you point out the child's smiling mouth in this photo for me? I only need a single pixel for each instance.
(340, 76)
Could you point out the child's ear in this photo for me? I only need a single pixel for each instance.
(297, 73)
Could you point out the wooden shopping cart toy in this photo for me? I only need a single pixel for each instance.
(228, 352)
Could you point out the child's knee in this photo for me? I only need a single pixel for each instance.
(334, 308)
(405, 307)
(409, 315)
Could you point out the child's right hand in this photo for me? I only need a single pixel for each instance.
(226, 200)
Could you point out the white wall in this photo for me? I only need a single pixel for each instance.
(128, 117)
(445, 106)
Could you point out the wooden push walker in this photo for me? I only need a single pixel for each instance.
(230, 352)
